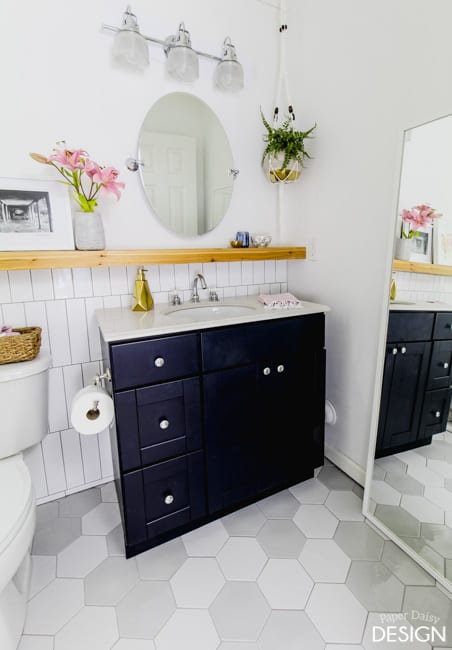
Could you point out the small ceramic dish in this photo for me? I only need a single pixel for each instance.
(236, 243)
(261, 240)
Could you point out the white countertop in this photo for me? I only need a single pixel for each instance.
(120, 323)
(428, 305)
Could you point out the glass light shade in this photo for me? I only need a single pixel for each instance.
(130, 47)
(229, 76)
(182, 63)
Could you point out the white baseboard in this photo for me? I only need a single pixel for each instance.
(346, 464)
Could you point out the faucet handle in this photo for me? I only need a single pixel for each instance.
(213, 295)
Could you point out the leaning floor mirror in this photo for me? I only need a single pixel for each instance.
(409, 478)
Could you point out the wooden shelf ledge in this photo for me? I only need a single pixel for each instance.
(22, 260)
(422, 267)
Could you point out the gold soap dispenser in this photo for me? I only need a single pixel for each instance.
(142, 297)
(393, 290)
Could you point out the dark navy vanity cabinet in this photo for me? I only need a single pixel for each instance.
(211, 420)
(417, 380)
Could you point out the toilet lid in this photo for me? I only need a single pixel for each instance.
(16, 497)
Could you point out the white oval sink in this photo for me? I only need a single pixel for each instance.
(205, 312)
(402, 302)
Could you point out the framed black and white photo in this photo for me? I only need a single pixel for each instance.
(442, 243)
(34, 215)
(421, 247)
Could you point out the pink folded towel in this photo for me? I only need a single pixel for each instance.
(279, 301)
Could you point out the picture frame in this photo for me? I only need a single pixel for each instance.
(34, 215)
(442, 242)
(421, 246)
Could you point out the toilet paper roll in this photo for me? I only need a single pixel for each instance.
(92, 410)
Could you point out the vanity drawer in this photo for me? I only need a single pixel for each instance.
(435, 412)
(245, 344)
(443, 325)
(440, 372)
(410, 326)
(154, 360)
(174, 493)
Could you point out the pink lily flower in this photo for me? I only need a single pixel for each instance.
(106, 177)
(70, 159)
(91, 168)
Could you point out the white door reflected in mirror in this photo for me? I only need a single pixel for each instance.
(186, 164)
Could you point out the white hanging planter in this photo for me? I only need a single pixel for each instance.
(277, 172)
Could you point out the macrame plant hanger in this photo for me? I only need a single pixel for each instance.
(282, 111)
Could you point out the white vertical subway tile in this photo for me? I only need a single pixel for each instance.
(247, 272)
(83, 285)
(78, 330)
(89, 370)
(181, 278)
(153, 276)
(62, 283)
(229, 292)
(112, 301)
(93, 329)
(20, 286)
(209, 271)
(14, 315)
(241, 291)
(275, 287)
(118, 280)
(53, 463)
(167, 279)
(269, 271)
(36, 315)
(258, 272)
(58, 332)
(5, 293)
(235, 274)
(106, 462)
(58, 419)
(222, 274)
(126, 301)
(90, 458)
(131, 277)
(253, 290)
(41, 280)
(281, 271)
(160, 298)
(72, 455)
(284, 287)
(264, 288)
(193, 269)
(35, 463)
(73, 382)
(101, 281)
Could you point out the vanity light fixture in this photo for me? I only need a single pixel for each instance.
(130, 48)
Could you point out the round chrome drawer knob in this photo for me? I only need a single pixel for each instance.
(403, 350)
(169, 499)
(394, 351)
(445, 365)
(164, 424)
(266, 371)
(438, 414)
(159, 362)
(280, 368)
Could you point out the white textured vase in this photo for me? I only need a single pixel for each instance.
(277, 172)
(89, 231)
(403, 248)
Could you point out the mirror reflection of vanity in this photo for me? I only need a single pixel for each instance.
(409, 495)
(186, 164)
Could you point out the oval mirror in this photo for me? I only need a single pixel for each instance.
(187, 164)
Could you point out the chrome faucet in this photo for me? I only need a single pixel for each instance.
(195, 295)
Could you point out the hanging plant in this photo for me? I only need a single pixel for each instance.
(285, 151)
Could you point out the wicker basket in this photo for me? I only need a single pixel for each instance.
(20, 348)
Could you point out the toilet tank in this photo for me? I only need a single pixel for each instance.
(23, 404)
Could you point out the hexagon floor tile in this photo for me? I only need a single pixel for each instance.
(294, 571)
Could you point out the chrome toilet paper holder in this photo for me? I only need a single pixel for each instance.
(98, 378)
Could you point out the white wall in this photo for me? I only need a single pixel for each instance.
(365, 72)
(59, 83)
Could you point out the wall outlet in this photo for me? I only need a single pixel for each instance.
(312, 250)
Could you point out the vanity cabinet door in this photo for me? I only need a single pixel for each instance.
(231, 436)
(290, 419)
(435, 413)
(404, 384)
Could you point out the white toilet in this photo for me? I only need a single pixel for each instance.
(23, 423)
